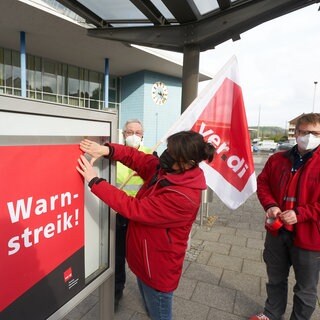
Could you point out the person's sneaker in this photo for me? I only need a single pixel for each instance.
(259, 316)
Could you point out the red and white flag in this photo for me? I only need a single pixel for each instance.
(218, 113)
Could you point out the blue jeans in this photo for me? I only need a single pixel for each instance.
(158, 304)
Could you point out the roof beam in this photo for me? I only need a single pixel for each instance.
(150, 11)
(224, 4)
(83, 12)
(183, 10)
(216, 28)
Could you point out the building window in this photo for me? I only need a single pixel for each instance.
(16, 73)
(94, 90)
(62, 77)
(56, 82)
(1, 71)
(49, 81)
(73, 88)
(10, 80)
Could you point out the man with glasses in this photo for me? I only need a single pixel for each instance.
(130, 183)
(289, 191)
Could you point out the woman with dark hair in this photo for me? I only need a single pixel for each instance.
(162, 213)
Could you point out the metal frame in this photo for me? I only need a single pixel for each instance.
(189, 27)
(190, 32)
(101, 278)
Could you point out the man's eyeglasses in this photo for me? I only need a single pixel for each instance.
(131, 133)
(304, 133)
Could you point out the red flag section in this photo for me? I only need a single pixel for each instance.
(218, 113)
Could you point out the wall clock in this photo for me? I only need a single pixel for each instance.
(159, 93)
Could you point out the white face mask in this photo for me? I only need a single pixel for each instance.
(133, 141)
(308, 142)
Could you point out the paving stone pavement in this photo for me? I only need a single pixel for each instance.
(223, 275)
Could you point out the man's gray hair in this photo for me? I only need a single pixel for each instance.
(132, 121)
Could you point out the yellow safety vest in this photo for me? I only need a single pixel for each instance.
(123, 172)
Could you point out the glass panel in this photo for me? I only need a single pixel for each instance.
(86, 88)
(8, 90)
(122, 25)
(101, 93)
(38, 75)
(49, 97)
(112, 95)
(73, 82)
(49, 78)
(61, 81)
(81, 103)
(8, 69)
(73, 101)
(113, 9)
(65, 11)
(94, 89)
(1, 69)
(97, 224)
(30, 76)
(112, 105)
(31, 94)
(65, 75)
(94, 104)
(205, 6)
(163, 9)
(17, 92)
(16, 70)
(53, 81)
(112, 82)
(84, 84)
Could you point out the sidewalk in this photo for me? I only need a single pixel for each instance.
(224, 274)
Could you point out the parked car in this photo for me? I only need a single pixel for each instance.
(284, 146)
(255, 148)
(266, 145)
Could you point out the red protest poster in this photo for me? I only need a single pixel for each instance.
(42, 229)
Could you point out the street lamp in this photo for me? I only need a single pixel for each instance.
(258, 128)
(314, 94)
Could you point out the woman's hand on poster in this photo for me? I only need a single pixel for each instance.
(95, 150)
(86, 169)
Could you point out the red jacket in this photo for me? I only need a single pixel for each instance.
(272, 183)
(161, 217)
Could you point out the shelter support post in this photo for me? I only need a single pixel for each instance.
(190, 80)
(190, 75)
(106, 299)
(207, 197)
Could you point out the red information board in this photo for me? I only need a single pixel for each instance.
(42, 229)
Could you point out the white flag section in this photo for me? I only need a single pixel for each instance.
(218, 113)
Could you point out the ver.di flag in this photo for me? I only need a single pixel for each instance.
(218, 113)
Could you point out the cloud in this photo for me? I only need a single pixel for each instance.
(278, 62)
